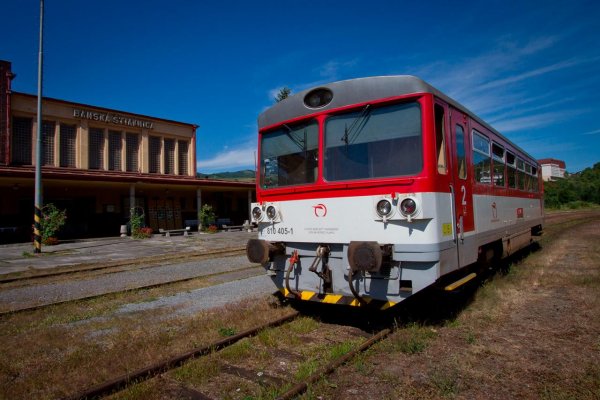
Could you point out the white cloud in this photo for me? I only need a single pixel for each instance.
(536, 121)
(529, 74)
(330, 71)
(229, 160)
(597, 131)
(527, 110)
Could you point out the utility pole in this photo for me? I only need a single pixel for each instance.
(37, 218)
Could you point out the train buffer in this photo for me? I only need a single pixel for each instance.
(185, 231)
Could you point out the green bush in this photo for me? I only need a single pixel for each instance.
(52, 220)
(206, 216)
(136, 221)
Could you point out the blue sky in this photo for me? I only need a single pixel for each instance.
(531, 69)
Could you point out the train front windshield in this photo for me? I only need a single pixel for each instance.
(370, 143)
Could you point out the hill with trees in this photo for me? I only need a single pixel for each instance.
(581, 189)
(246, 175)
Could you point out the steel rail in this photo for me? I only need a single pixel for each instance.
(148, 372)
(326, 370)
(150, 286)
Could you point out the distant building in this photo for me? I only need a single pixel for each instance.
(552, 169)
(97, 163)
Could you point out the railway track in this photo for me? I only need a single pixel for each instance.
(286, 387)
(150, 371)
(79, 293)
(118, 266)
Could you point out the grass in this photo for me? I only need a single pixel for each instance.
(303, 325)
(226, 332)
(306, 369)
(67, 347)
(238, 351)
(470, 337)
(412, 339)
(197, 372)
(445, 380)
(583, 386)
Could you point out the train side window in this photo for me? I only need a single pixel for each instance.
(440, 142)
(521, 180)
(511, 171)
(498, 160)
(529, 183)
(481, 158)
(536, 183)
(460, 152)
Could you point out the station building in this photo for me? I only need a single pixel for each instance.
(552, 169)
(97, 163)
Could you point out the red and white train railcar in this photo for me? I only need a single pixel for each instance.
(375, 188)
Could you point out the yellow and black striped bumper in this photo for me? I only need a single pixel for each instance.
(306, 295)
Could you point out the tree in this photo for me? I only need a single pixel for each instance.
(581, 189)
(284, 93)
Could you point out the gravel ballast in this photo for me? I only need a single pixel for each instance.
(30, 296)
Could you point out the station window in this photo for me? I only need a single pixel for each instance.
(48, 129)
(183, 146)
(481, 158)
(169, 156)
(68, 145)
(498, 160)
(460, 152)
(155, 145)
(96, 148)
(115, 147)
(132, 145)
(511, 172)
(21, 141)
(440, 142)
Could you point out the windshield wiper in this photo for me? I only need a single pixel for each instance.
(301, 143)
(347, 138)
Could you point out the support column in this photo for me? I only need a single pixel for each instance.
(199, 207)
(131, 198)
(249, 205)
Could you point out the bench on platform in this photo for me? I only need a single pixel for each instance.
(228, 228)
(192, 223)
(246, 226)
(168, 232)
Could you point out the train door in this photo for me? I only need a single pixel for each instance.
(460, 182)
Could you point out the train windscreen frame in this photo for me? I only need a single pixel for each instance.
(371, 143)
(289, 155)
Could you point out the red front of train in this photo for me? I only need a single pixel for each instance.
(370, 190)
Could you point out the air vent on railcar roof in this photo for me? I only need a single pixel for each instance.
(318, 98)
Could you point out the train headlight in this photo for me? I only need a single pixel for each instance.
(271, 213)
(384, 208)
(318, 98)
(257, 213)
(408, 207)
